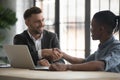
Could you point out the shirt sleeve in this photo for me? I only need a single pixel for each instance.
(90, 58)
(112, 60)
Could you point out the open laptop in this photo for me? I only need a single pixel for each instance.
(20, 57)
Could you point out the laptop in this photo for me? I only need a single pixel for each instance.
(20, 57)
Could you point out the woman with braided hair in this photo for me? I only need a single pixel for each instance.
(107, 57)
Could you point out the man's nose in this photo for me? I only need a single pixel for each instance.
(41, 23)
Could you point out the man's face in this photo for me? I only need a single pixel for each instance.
(36, 23)
(95, 30)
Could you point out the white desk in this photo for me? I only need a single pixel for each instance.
(25, 74)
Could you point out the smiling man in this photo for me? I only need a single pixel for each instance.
(38, 40)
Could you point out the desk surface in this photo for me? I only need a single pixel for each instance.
(26, 74)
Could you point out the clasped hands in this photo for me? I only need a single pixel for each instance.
(50, 55)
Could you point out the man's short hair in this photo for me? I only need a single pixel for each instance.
(33, 10)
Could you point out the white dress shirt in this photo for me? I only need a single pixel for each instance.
(37, 44)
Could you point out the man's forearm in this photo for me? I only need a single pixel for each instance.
(46, 52)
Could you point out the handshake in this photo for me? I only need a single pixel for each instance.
(50, 55)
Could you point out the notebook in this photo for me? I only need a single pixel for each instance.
(20, 57)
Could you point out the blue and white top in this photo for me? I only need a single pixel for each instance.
(109, 52)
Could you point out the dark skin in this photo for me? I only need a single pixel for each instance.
(99, 32)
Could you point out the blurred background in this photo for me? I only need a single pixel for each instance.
(70, 19)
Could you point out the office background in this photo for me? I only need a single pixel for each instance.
(70, 19)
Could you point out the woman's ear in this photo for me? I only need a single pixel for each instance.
(102, 28)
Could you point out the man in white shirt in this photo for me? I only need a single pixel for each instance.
(39, 41)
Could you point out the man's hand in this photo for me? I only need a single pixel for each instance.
(44, 62)
(58, 67)
(46, 52)
(51, 54)
(57, 54)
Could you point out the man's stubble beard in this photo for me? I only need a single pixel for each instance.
(36, 31)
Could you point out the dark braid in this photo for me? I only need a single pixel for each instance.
(117, 24)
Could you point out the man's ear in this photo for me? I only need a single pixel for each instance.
(27, 22)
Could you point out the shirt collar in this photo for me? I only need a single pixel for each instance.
(110, 40)
(33, 37)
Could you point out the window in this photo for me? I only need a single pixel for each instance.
(72, 22)
(48, 7)
(72, 27)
